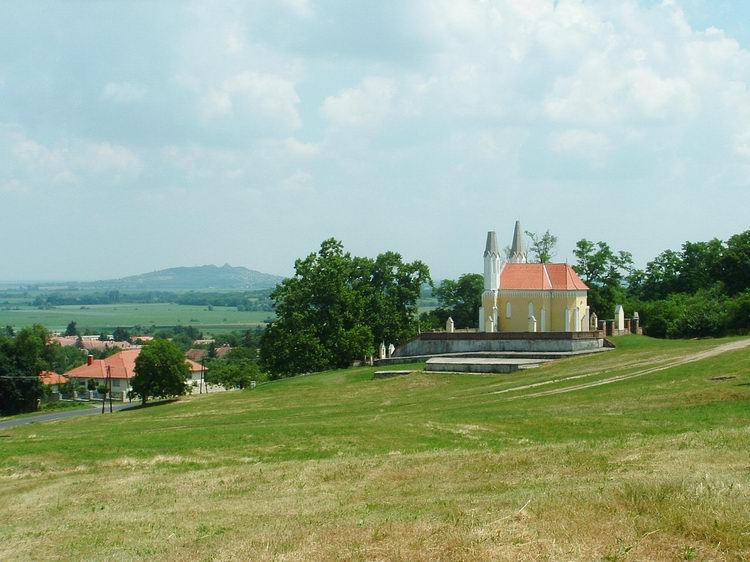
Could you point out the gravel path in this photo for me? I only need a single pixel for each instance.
(718, 350)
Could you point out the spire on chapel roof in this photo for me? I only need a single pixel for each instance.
(490, 249)
(518, 248)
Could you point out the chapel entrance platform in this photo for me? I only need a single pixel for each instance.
(494, 352)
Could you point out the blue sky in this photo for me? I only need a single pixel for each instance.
(136, 136)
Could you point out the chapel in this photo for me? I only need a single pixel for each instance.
(529, 297)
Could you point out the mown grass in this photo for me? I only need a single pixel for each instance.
(424, 467)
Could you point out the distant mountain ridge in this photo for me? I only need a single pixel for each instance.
(195, 278)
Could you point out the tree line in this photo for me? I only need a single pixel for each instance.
(243, 300)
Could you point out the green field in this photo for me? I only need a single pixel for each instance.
(642, 453)
(102, 317)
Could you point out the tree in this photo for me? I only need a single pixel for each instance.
(543, 248)
(233, 373)
(160, 371)
(604, 271)
(21, 360)
(121, 334)
(460, 300)
(72, 329)
(734, 264)
(336, 308)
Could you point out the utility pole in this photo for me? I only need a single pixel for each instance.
(109, 376)
(107, 387)
(203, 370)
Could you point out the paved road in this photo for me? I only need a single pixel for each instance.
(62, 415)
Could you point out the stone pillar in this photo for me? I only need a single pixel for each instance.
(381, 351)
(449, 326)
(391, 349)
(619, 317)
(490, 324)
(576, 319)
(543, 320)
(532, 324)
(586, 322)
(481, 319)
(495, 324)
(594, 321)
(610, 327)
(567, 319)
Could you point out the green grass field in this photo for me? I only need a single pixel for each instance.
(642, 453)
(102, 317)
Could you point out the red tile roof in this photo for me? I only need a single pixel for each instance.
(540, 277)
(50, 377)
(122, 366)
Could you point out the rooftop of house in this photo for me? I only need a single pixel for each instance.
(121, 366)
(50, 377)
(540, 277)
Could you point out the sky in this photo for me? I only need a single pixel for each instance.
(136, 136)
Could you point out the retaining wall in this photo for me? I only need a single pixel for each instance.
(438, 343)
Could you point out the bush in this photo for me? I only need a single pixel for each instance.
(704, 314)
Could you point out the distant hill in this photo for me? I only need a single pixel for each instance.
(195, 279)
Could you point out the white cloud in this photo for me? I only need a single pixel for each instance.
(304, 149)
(124, 92)
(742, 144)
(298, 182)
(582, 144)
(67, 162)
(263, 95)
(301, 8)
(366, 105)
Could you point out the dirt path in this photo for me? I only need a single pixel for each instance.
(718, 350)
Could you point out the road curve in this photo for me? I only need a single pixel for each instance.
(62, 415)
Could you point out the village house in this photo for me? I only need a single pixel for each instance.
(52, 380)
(121, 368)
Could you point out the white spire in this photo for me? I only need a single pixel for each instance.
(518, 248)
(491, 263)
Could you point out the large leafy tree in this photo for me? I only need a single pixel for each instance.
(336, 308)
(160, 371)
(734, 264)
(605, 272)
(21, 360)
(460, 300)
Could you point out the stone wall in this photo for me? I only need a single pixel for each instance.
(436, 343)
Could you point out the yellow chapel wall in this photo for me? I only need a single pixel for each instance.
(553, 303)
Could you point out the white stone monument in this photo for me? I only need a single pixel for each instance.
(619, 317)
(490, 324)
(381, 351)
(594, 321)
(449, 326)
(391, 349)
(532, 324)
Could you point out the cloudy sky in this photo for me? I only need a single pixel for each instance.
(136, 136)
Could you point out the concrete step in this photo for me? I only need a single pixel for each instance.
(480, 364)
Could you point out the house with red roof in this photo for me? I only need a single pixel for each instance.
(52, 379)
(121, 367)
(530, 297)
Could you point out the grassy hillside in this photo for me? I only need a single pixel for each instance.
(640, 453)
(101, 317)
